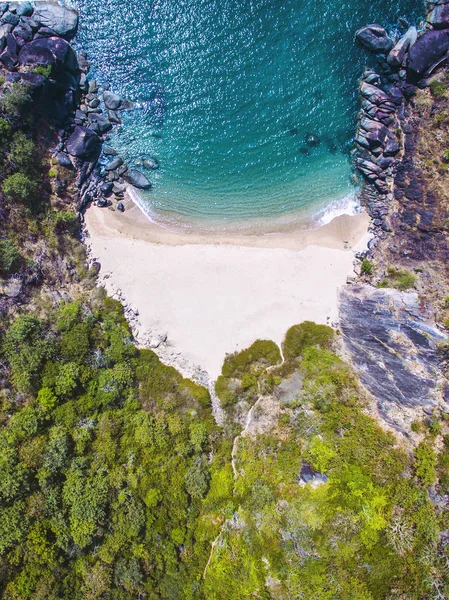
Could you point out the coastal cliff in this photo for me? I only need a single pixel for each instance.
(397, 338)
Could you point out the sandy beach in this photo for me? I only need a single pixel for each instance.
(213, 294)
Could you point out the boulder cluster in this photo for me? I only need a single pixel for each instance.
(403, 64)
(35, 50)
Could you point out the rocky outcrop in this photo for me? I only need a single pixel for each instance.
(375, 38)
(394, 346)
(428, 52)
(137, 179)
(83, 143)
(53, 19)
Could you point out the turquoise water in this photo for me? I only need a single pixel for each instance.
(226, 92)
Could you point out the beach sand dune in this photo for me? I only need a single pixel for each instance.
(215, 295)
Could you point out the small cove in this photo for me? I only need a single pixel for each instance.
(227, 93)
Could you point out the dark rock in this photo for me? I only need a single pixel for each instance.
(113, 117)
(122, 170)
(49, 51)
(24, 9)
(384, 162)
(137, 179)
(439, 16)
(61, 21)
(391, 148)
(10, 18)
(79, 114)
(108, 151)
(121, 207)
(428, 51)
(106, 188)
(374, 38)
(102, 125)
(3, 7)
(83, 143)
(374, 94)
(102, 203)
(374, 132)
(111, 101)
(64, 160)
(308, 475)
(24, 32)
(83, 61)
(9, 55)
(114, 164)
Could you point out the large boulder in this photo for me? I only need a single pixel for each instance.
(49, 51)
(428, 51)
(439, 15)
(375, 38)
(111, 101)
(84, 143)
(8, 57)
(397, 54)
(374, 132)
(375, 95)
(61, 21)
(137, 179)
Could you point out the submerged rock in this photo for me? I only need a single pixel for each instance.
(312, 140)
(375, 38)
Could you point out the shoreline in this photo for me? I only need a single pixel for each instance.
(195, 297)
(342, 232)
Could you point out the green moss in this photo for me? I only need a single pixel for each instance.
(300, 337)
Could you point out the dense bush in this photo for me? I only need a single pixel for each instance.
(9, 257)
(304, 335)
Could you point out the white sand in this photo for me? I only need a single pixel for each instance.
(218, 297)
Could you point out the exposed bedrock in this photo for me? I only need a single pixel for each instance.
(394, 348)
(438, 16)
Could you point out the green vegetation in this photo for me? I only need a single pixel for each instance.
(304, 335)
(10, 257)
(399, 279)
(45, 71)
(367, 267)
(438, 88)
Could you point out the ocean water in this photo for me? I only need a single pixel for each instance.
(227, 93)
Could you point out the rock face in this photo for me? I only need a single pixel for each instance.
(430, 48)
(63, 22)
(394, 349)
(84, 143)
(112, 101)
(49, 51)
(375, 38)
(137, 179)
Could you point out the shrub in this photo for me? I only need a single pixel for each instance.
(46, 398)
(401, 279)
(262, 353)
(307, 334)
(45, 71)
(438, 89)
(9, 257)
(22, 153)
(425, 462)
(20, 187)
(367, 267)
(14, 100)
